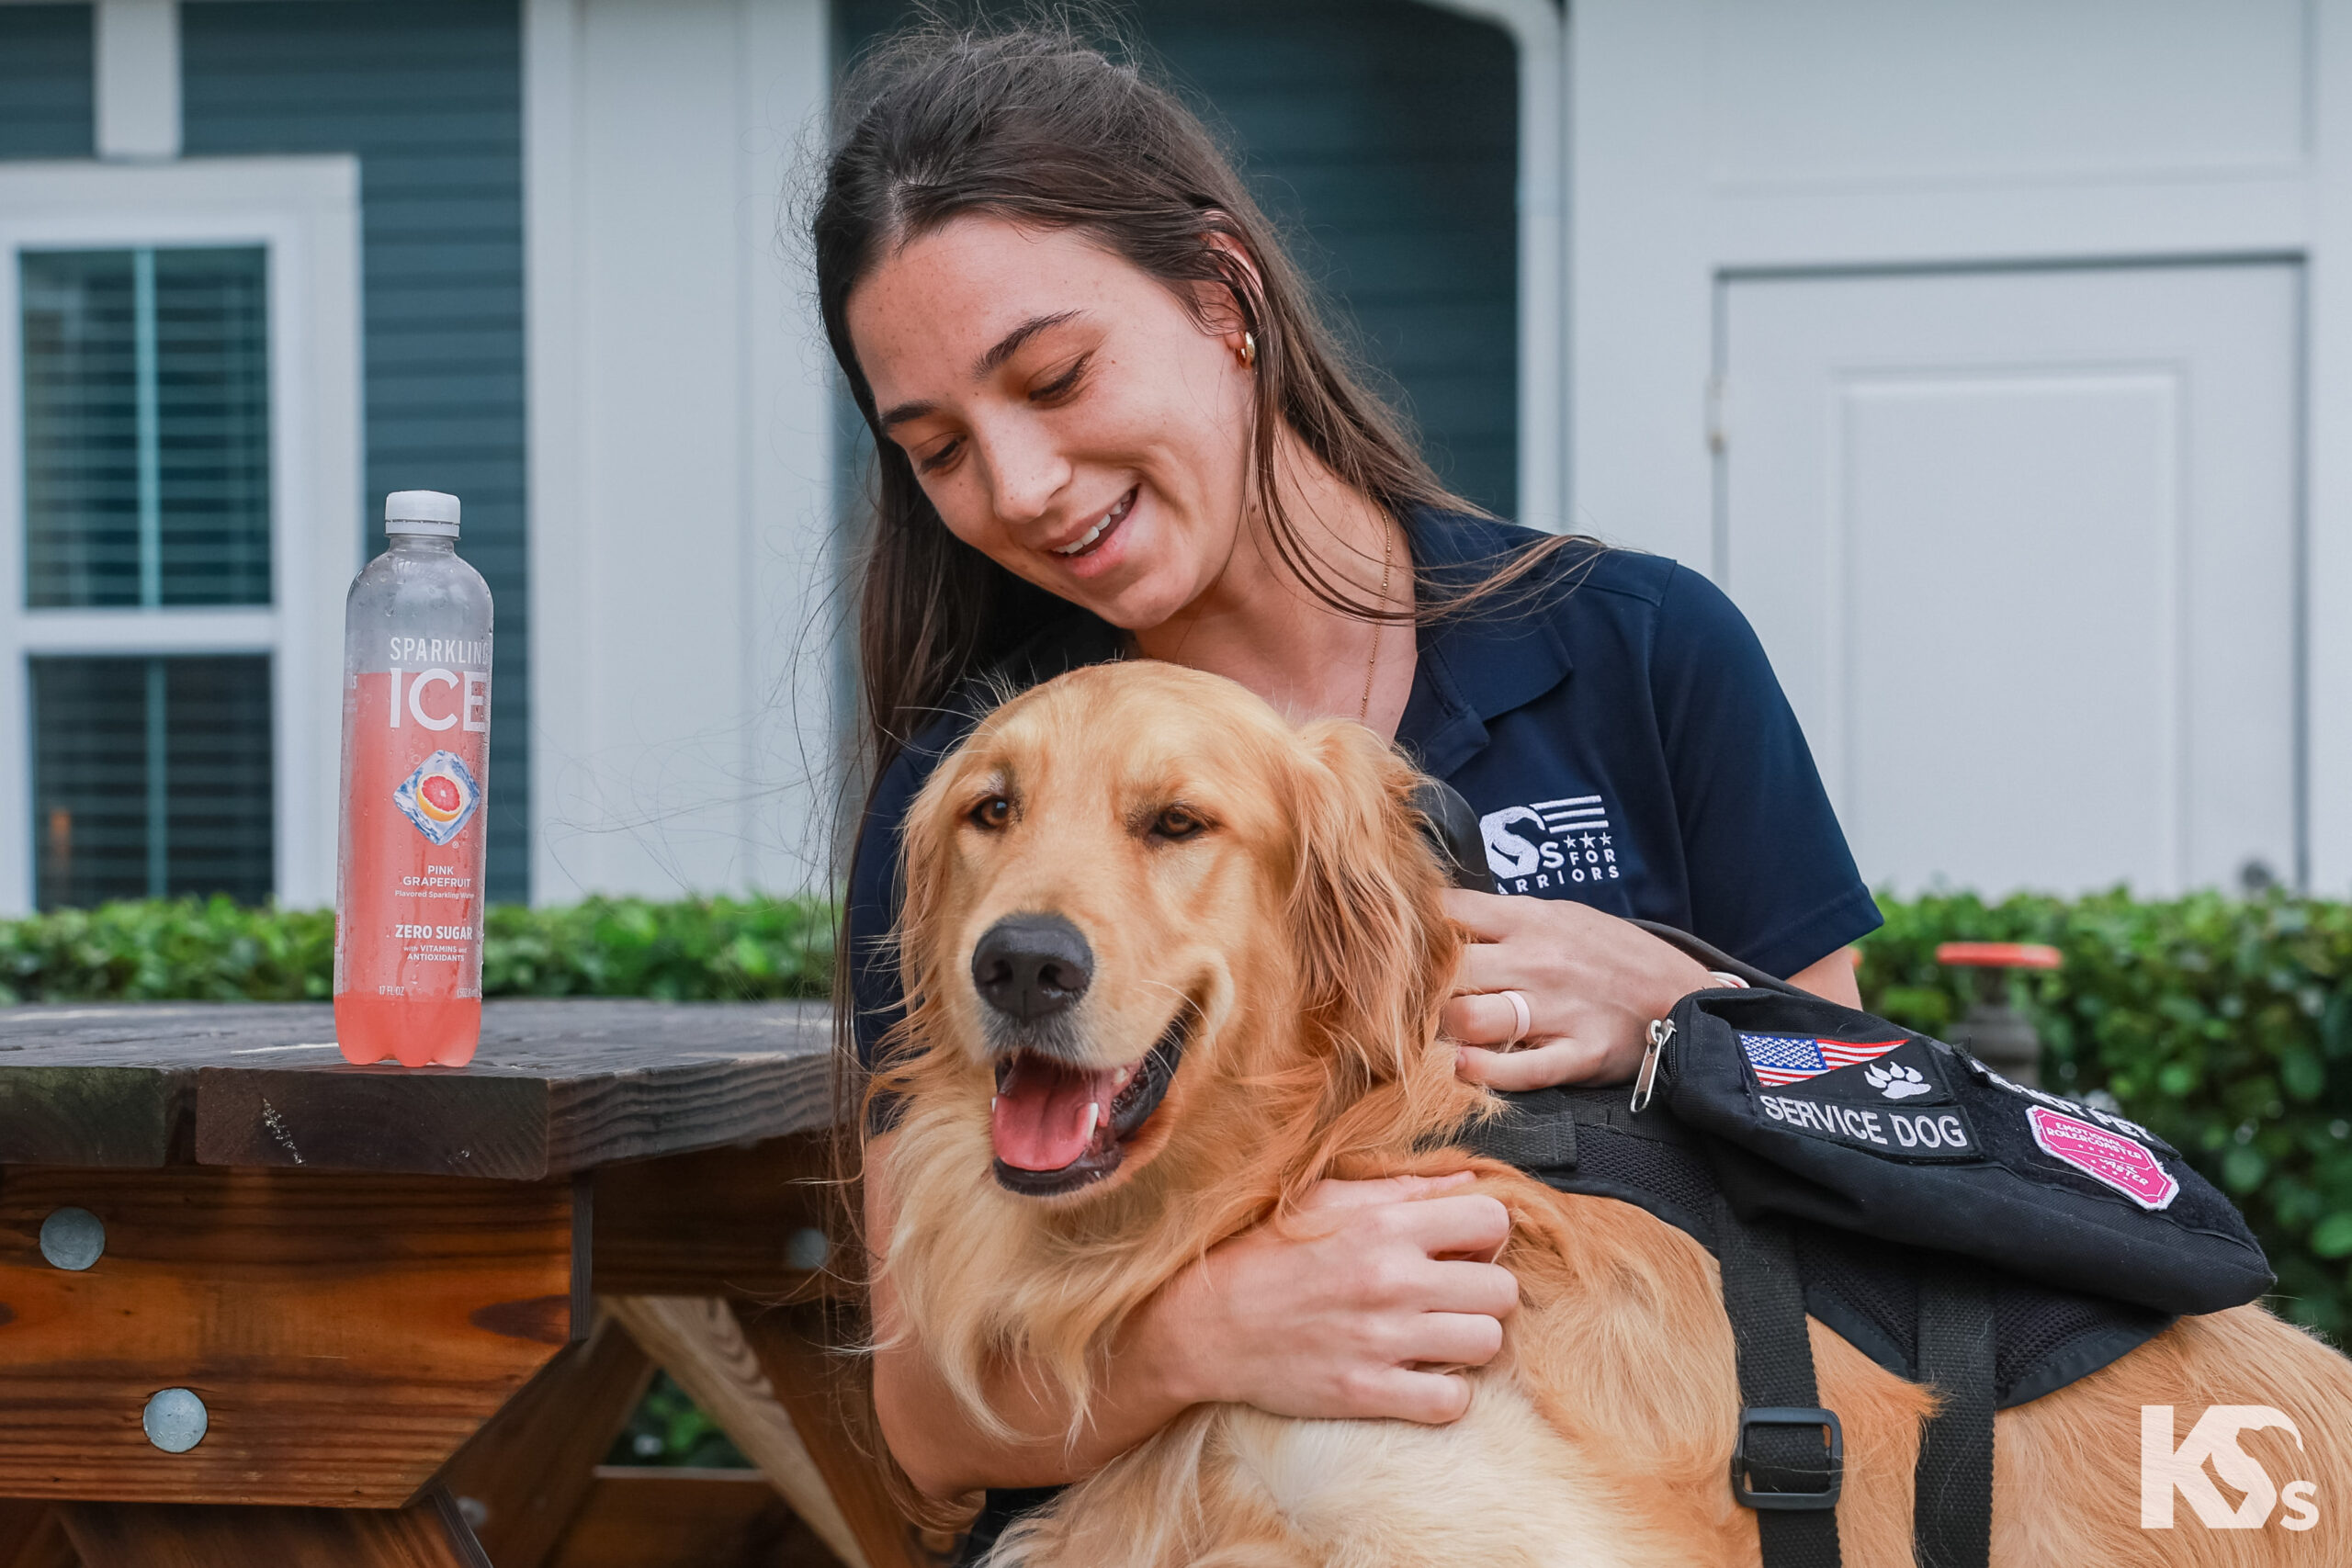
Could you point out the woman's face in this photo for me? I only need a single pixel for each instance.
(1065, 413)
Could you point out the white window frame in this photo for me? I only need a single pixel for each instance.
(305, 213)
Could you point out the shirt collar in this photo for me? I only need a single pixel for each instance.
(1478, 666)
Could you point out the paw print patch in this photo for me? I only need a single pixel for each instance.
(1896, 1081)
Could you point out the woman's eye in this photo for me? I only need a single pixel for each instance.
(939, 456)
(993, 812)
(1062, 385)
(1176, 822)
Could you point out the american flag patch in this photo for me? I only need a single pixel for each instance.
(1793, 1058)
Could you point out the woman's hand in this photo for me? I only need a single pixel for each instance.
(1592, 983)
(1359, 1307)
(1355, 1308)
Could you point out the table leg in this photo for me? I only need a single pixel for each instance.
(523, 1477)
(185, 1534)
(31, 1536)
(799, 1347)
(697, 1340)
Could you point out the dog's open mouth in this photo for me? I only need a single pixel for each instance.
(1058, 1127)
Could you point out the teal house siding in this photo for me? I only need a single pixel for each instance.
(428, 94)
(47, 102)
(1382, 136)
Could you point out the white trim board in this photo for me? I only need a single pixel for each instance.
(138, 86)
(681, 450)
(305, 212)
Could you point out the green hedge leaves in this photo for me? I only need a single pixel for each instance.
(694, 949)
(2224, 1024)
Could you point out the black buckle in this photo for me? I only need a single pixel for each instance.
(1787, 1416)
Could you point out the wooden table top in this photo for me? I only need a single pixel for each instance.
(556, 1086)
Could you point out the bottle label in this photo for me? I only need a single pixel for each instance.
(416, 763)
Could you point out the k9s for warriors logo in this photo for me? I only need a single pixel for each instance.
(1550, 844)
(2167, 1472)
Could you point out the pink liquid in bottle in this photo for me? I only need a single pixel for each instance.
(416, 780)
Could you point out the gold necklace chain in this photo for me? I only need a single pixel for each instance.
(1388, 558)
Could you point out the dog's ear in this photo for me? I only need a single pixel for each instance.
(1375, 949)
(925, 863)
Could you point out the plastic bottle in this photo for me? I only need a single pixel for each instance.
(415, 781)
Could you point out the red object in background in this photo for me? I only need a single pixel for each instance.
(1998, 955)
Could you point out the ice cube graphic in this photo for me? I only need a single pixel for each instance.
(439, 797)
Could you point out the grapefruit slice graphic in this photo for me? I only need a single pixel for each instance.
(438, 797)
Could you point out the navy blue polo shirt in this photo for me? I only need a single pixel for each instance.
(1612, 720)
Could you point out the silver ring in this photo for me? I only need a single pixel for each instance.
(1526, 1019)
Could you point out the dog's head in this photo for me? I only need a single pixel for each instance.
(1146, 918)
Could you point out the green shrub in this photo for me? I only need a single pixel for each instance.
(669, 1428)
(160, 951)
(694, 949)
(2226, 1025)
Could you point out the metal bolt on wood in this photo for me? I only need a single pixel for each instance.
(807, 1247)
(72, 1238)
(175, 1420)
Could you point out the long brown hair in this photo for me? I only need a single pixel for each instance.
(1037, 125)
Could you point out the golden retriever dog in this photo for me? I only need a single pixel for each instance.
(1252, 958)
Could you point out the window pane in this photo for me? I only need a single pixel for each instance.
(89, 779)
(80, 428)
(151, 777)
(217, 761)
(212, 395)
(146, 427)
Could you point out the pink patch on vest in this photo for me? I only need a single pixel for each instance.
(2124, 1164)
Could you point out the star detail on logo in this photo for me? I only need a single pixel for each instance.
(1896, 1081)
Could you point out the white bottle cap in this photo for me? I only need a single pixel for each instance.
(421, 511)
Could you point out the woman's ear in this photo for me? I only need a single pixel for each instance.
(1376, 951)
(1235, 304)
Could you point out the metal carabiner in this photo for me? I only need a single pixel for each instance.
(1646, 1081)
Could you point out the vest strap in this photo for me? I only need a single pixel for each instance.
(1789, 1463)
(1952, 1508)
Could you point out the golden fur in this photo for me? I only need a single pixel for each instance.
(1304, 927)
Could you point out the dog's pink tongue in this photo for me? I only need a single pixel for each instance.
(1040, 1121)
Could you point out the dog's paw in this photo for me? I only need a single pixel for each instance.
(1896, 1081)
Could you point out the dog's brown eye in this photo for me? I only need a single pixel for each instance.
(1176, 822)
(993, 812)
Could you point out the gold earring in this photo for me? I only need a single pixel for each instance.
(1249, 351)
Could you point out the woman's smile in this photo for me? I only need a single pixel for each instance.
(1104, 546)
(1103, 526)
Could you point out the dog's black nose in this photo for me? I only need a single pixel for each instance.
(1032, 966)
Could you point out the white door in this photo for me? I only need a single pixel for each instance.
(2023, 546)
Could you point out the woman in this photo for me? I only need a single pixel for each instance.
(1110, 425)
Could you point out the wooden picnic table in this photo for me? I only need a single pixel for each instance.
(259, 1306)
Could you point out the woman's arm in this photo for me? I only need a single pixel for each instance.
(1338, 1316)
(1832, 979)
